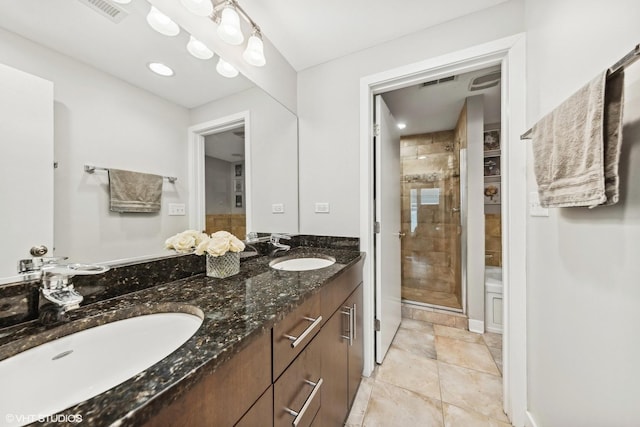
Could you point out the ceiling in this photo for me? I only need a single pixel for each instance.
(310, 32)
(121, 49)
(437, 107)
(228, 145)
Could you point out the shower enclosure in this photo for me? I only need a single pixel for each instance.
(432, 250)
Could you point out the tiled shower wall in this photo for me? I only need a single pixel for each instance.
(430, 250)
(493, 240)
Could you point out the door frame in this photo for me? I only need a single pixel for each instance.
(196, 166)
(509, 52)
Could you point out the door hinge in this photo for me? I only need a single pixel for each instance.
(376, 227)
(376, 130)
(55, 165)
(376, 323)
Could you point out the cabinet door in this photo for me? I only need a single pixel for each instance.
(261, 413)
(356, 349)
(334, 339)
(297, 393)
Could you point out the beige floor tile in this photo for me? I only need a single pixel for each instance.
(458, 334)
(410, 371)
(360, 403)
(418, 325)
(459, 417)
(496, 353)
(393, 406)
(415, 342)
(472, 390)
(492, 340)
(466, 354)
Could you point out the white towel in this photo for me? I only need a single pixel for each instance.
(578, 144)
(134, 191)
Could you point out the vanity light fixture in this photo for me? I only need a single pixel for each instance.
(227, 14)
(198, 7)
(162, 23)
(199, 49)
(225, 69)
(160, 69)
(402, 126)
(229, 27)
(122, 1)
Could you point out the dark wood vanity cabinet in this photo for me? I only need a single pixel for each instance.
(306, 369)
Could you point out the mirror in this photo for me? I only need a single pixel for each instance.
(111, 111)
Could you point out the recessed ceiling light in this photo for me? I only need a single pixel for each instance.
(162, 23)
(198, 49)
(160, 69)
(402, 125)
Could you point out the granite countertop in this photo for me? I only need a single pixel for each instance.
(235, 310)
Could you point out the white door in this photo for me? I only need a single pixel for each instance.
(387, 241)
(26, 166)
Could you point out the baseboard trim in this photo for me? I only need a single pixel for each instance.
(529, 421)
(476, 326)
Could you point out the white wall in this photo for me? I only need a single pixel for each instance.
(273, 156)
(328, 111)
(101, 120)
(475, 213)
(583, 274)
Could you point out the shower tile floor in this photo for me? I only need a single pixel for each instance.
(434, 376)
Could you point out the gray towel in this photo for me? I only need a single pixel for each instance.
(576, 147)
(134, 191)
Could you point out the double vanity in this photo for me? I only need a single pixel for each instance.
(268, 346)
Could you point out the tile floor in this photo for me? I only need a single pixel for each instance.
(434, 376)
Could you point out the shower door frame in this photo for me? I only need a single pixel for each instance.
(510, 53)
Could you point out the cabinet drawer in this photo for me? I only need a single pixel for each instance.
(334, 293)
(296, 394)
(294, 332)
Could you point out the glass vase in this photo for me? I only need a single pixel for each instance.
(223, 266)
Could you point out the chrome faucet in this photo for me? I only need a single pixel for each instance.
(55, 279)
(275, 241)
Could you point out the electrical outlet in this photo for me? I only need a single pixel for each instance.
(177, 209)
(277, 208)
(322, 207)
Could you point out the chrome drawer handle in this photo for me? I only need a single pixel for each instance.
(349, 313)
(298, 340)
(354, 322)
(298, 415)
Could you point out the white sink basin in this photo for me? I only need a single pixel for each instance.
(61, 373)
(301, 264)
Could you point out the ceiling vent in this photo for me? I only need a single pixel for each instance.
(485, 82)
(107, 9)
(438, 81)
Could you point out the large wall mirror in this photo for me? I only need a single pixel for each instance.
(81, 81)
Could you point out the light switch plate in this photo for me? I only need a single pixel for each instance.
(322, 207)
(277, 208)
(534, 206)
(177, 209)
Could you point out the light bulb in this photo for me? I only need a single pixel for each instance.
(198, 49)
(160, 69)
(122, 1)
(254, 53)
(198, 7)
(402, 125)
(229, 28)
(162, 23)
(225, 69)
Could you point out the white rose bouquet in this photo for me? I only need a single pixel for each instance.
(219, 244)
(221, 249)
(185, 242)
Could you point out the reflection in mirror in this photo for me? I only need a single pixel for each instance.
(224, 182)
(111, 111)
